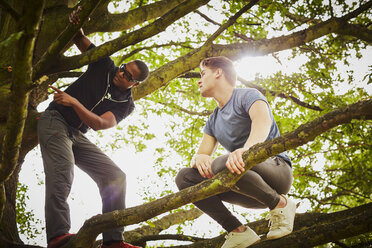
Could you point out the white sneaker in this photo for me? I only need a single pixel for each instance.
(281, 220)
(241, 240)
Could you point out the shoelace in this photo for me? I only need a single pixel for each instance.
(274, 218)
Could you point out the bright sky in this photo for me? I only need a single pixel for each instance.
(84, 198)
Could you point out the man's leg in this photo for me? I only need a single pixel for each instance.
(111, 180)
(58, 160)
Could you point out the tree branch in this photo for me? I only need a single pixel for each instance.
(125, 21)
(140, 235)
(279, 94)
(231, 21)
(224, 180)
(121, 59)
(108, 48)
(175, 106)
(29, 24)
(161, 76)
(310, 229)
(207, 18)
(357, 31)
(49, 58)
(6, 6)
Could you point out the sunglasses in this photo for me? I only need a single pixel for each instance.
(123, 68)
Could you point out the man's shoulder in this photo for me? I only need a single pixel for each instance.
(245, 91)
(248, 93)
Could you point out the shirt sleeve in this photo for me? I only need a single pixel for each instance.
(249, 97)
(209, 126)
(207, 129)
(123, 110)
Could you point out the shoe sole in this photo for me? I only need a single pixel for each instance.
(278, 236)
(244, 246)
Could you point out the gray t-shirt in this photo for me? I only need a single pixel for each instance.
(231, 125)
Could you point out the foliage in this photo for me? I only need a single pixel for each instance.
(28, 225)
(331, 173)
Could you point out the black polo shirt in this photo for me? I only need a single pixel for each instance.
(96, 91)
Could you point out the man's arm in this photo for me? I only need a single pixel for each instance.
(261, 123)
(202, 160)
(92, 120)
(260, 129)
(80, 40)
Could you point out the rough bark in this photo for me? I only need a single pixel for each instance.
(28, 26)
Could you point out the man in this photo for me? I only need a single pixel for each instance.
(99, 99)
(242, 119)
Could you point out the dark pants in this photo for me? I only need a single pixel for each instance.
(260, 187)
(61, 148)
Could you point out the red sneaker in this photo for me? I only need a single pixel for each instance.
(120, 244)
(60, 240)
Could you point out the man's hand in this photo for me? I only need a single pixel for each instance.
(74, 16)
(235, 162)
(63, 98)
(203, 163)
(80, 40)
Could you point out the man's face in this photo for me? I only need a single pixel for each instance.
(206, 82)
(125, 77)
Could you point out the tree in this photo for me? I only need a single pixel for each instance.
(35, 36)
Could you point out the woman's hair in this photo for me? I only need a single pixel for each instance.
(222, 62)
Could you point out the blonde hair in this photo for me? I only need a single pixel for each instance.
(224, 63)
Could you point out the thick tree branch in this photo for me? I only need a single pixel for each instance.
(224, 180)
(22, 70)
(306, 232)
(125, 21)
(6, 6)
(137, 235)
(49, 59)
(108, 48)
(357, 31)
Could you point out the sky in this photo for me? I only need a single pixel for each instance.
(84, 199)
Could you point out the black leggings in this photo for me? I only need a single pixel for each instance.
(260, 187)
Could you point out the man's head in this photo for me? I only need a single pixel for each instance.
(131, 74)
(215, 69)
(223, 63)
